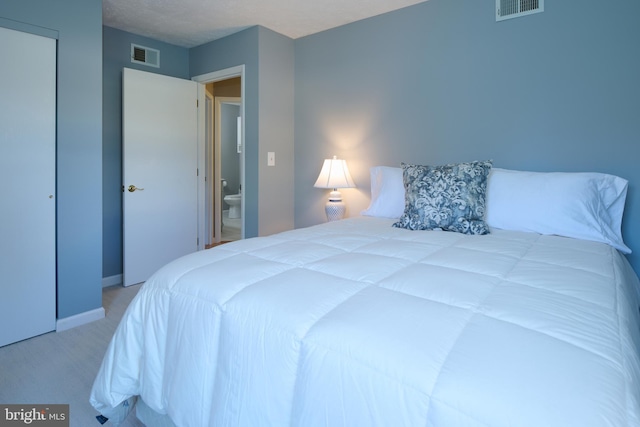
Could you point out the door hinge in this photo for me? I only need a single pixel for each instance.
(197, 241)
(197, 172)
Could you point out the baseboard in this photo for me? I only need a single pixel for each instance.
(79, 319)
(112, 280)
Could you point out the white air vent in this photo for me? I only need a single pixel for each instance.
(506, 9)
(145, 55)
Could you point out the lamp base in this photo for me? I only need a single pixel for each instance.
(335, 210)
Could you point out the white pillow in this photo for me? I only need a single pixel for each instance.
(586, 206)
(387, 193)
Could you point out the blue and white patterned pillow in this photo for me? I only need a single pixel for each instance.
(450, 197)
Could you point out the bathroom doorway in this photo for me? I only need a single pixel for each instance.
(228, 143)
(224, 161)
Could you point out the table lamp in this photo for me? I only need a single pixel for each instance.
(335, 174)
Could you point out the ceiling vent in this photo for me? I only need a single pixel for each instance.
(145, 55)
(506, 9)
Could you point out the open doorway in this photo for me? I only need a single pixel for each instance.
(223, 160)
(228, 148)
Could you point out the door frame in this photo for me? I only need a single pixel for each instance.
(203, 79)
(208, 150)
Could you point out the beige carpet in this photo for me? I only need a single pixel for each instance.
(60, 367)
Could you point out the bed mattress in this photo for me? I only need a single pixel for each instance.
(357, 323)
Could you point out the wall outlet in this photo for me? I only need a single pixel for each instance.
(271, 158)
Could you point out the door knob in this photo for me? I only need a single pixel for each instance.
(133, 188)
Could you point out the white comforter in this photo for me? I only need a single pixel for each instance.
(356, 323)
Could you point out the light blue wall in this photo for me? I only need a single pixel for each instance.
(79, 143)
(174, 61)
(433, 83)
(443, 82)
(276, 132)
(231, 51)
(252, 47)
(268, 93)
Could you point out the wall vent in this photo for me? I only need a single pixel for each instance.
(506, 9)
(145, 55)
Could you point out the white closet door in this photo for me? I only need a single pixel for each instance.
(27, 185)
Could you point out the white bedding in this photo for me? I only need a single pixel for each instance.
(356, 323)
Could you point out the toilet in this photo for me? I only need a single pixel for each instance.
(233, 200)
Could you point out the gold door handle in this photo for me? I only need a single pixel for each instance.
(133, 188)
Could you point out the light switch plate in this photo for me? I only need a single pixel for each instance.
(271, 158)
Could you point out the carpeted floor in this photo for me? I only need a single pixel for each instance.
(60, 367)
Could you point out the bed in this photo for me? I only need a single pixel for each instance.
(360, 322)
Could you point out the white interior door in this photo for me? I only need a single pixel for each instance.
(27, 185)
(160, 165)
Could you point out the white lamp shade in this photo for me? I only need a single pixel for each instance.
(334, 174)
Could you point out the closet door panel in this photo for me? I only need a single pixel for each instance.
(27, 185)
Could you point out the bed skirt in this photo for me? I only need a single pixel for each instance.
(151, 418)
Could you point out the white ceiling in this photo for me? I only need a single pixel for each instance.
(189, 23)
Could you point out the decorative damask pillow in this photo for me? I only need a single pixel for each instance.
(450, 197)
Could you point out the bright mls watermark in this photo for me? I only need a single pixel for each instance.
(34, 415)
